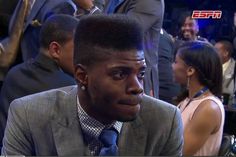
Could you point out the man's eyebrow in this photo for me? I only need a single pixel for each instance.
(122, 67)
(127, 68)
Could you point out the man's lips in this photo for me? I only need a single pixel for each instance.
(131, 102)
(187, 32)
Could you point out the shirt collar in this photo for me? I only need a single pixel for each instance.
(226, 65)
(93, 127)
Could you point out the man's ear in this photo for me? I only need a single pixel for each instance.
(190, 71)
(225, 53)
(81, 75)
(54, 50)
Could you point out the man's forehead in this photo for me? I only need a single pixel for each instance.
(127, 59)
(190, 20)
(130, 55)
(219, 44)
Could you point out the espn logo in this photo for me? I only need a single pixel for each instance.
(206, 14)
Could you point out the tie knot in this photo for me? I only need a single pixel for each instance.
(108, 137)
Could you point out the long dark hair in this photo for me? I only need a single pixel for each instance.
(204, 58)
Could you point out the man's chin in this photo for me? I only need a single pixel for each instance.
(187, 38)
(127, 118)
(125, 112)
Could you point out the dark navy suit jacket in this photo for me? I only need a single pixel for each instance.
(30, 77)
(168, 88)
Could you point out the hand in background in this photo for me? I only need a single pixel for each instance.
(84, 4)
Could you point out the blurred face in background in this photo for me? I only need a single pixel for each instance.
(224, 54)
(66, 57)
(180, 70)
(189, 29)
(62, 54)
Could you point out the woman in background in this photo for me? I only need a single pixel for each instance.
(198, 67)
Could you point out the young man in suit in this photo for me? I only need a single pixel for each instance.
(46, 70)
(107, 113)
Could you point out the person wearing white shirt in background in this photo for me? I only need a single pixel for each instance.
(225, 51)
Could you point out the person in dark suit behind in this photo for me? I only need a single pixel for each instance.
(168, 88)
(107, 112)
(45, 71)
(25, 26)
(39, 12)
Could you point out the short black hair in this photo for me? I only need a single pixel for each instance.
(204, 58)
(59, 28)
(228, 46)
(184, 16)
(99, 35)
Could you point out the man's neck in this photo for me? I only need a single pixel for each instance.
(88, 108)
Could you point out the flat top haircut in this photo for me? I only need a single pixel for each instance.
(99, 36)
(59, 28)
(227, 46)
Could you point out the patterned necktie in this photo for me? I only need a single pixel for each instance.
(108, 137)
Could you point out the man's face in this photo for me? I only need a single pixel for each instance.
(222, 52)
(180, 70)
(66, 57)
(189, 29)
(115, 86)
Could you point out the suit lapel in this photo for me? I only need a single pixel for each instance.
(228, 71)
(230, 68)
(136, 135)
(34, 11)
(66, 128)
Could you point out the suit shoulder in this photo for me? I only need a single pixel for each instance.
(17, 68)
(15, 73)
(159, 118)
(157, 109)
(153, 103)
(43, 101)
(21, 67)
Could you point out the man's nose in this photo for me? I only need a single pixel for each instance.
(135, 86)
(187, 27)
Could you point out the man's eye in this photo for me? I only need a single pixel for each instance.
(191, 25)
(119, 75)
(141, 75)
